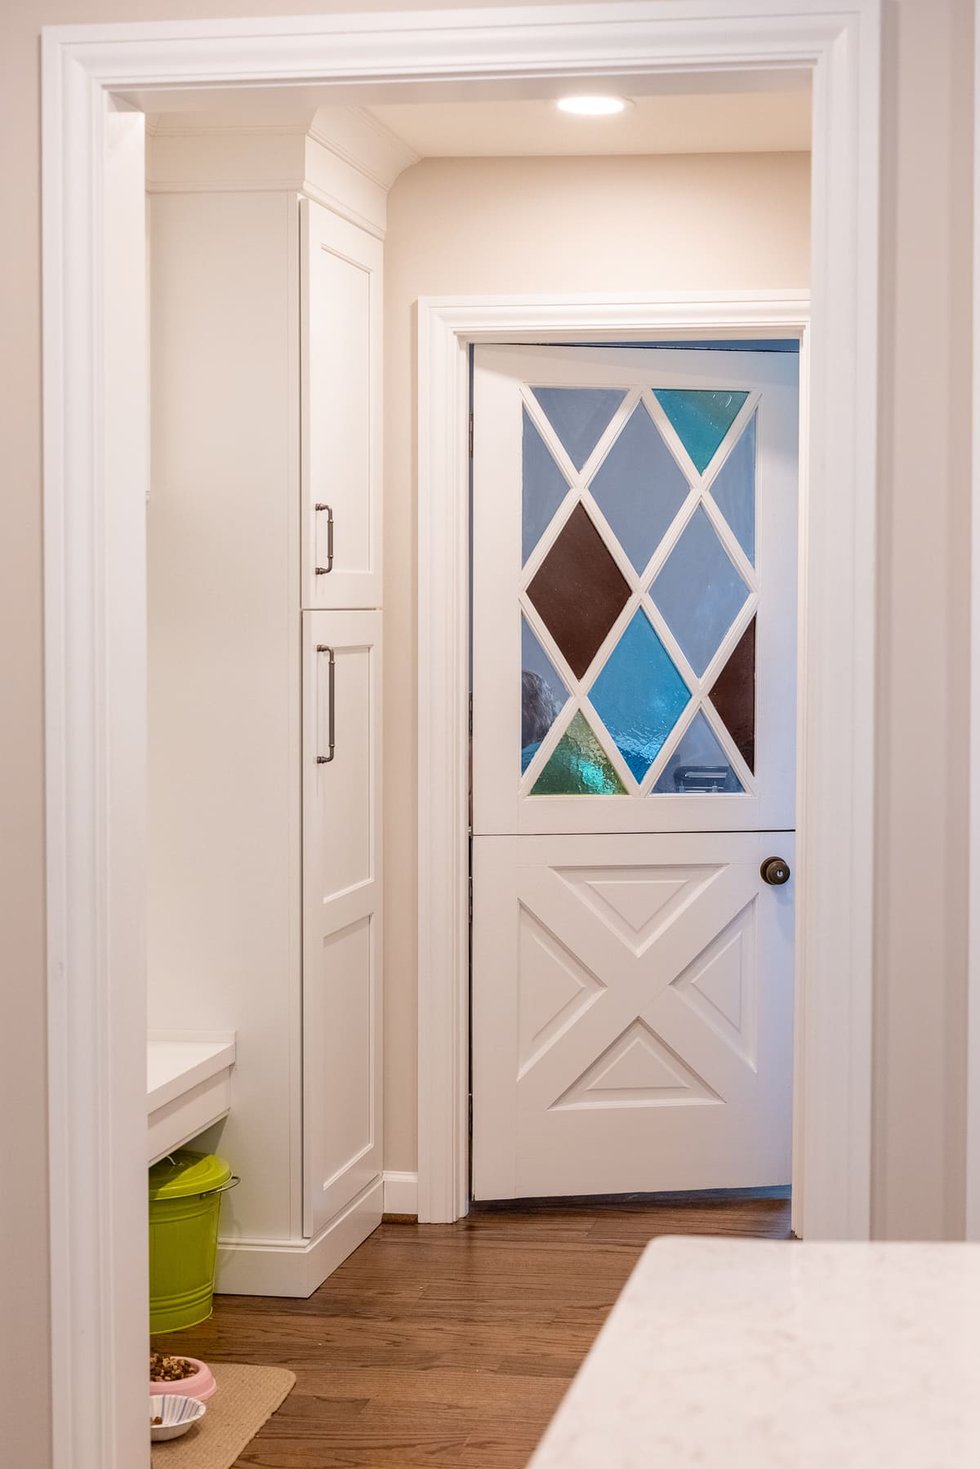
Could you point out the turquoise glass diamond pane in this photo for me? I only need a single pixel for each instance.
(544, 487)
(639, 487)
(733, 490)
(701, 418)
(699, 591)
(698, 764)
(639, 695)
(579, 416)
(543, 694)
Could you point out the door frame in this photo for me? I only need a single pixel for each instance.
(95, 479)
(831, 1179)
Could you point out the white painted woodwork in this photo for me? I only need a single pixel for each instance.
(632, 1014)
(340, 156)
(227, 782)
(188, 1088)
(341, 913)
(342, 428)
(625, 949)
(93, 589)
(502, 803)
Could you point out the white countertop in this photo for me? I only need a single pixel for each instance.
(755, 1354)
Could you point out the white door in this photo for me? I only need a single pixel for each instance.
(341, 912)
(634, 655)
(341, 410)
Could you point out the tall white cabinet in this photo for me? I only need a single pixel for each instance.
(264, 536)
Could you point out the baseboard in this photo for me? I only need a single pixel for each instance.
(295, 1267)
(401, 1193)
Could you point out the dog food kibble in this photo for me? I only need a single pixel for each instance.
(169, 1369)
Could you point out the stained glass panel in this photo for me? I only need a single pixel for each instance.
(733, 695)
(579, 591)
(543, 694)
(701, 418)
(579, 766)
(639, 487)
(699, 591)
(698, 764)
(579, 416)
(733, 490)
(544, 486)
(639, 695)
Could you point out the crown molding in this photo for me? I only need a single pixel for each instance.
(340, 156)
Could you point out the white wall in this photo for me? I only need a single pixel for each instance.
(488, 226)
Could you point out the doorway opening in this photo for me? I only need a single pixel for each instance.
(94, 450)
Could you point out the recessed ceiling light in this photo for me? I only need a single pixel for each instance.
(592, 106)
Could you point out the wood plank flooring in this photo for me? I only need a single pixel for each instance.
(449, 1345)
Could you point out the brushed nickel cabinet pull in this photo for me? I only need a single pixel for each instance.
(331, 692)
(322, 570)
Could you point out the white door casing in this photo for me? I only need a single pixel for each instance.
(635, 518)
(341, 913)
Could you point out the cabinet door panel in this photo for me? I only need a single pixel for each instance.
(342, 324)
(342, 910)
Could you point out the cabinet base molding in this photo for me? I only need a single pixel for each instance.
(401, 1193)
(295, 1267)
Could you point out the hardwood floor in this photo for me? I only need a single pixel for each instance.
(449, 1345)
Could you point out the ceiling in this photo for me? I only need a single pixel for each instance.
(733, 122)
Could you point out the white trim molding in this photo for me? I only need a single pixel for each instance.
(401, 1193)
(95, 420)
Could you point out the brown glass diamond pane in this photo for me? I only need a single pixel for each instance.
(733, 695)
(579, 591)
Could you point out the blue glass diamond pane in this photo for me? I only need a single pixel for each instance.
(701, 418)
(579, 416)
(544, 486)
(698, 764)
(733, 490)
(699, 591)
(639, 695)
(639, 487)
(543, 694)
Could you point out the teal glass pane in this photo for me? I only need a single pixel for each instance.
(698, 764)
(733, 490)
(579, 416)
(639, 695)
(699, 591)
(579, 766)
(544, 486)
(701, 418)
(543, 694)
(639, 487)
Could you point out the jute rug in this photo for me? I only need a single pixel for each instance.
(246, 1398)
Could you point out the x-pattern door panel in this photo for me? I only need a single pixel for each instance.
(640, 1026)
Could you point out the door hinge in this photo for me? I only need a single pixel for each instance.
(470, 725)
(469, 894)
(471, 436)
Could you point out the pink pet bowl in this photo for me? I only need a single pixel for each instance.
(200, 1384)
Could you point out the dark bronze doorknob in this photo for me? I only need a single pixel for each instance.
(775, 871)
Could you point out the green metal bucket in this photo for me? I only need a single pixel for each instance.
(185, 1201)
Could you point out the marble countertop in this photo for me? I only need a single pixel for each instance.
(773, 1355)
